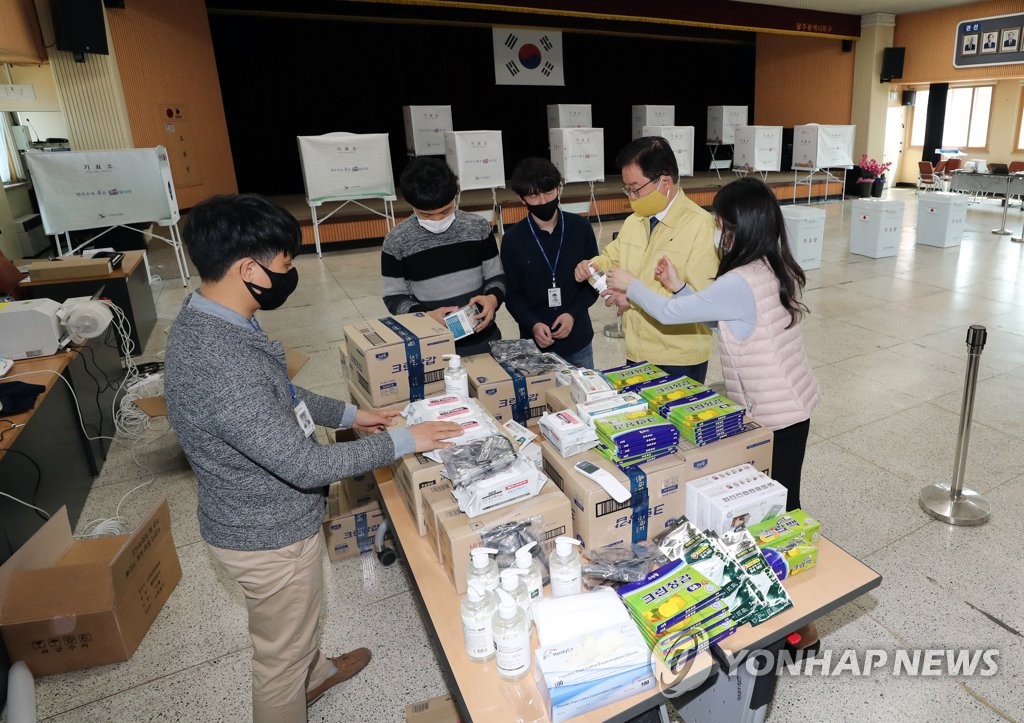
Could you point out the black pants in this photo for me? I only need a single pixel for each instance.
(788, 459)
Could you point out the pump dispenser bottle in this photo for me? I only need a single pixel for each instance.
(483, 570)
(566, 568)
(512, 583)
(534, 578)
(456, 379)
(511, 639)
(478, 608)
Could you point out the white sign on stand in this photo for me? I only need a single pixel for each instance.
(570, 116)
(757, 149)
(875, 227)
(578, 153)
(476, 158)
(680, 138)
(941, 218)
(823, 146)
(652, 115)
(722, 122)
(805, 230)
(425, 126)
(346, 168)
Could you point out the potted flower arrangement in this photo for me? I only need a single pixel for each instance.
(872, 177)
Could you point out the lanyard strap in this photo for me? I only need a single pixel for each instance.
(551, 267)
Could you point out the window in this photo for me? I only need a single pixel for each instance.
(1020, 123)
(967, 116)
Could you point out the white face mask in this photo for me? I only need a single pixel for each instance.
(439, 226)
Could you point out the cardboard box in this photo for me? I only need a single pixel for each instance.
(68, 267)
(559, 398)
(358, 396)
(413, 474)
(377, 355)
(67, 604)
(437, 500)
(360, 489)
(349, 529)
(436, 710)
(492, 387)
(157, 406)
(460, 534)
(753, 446)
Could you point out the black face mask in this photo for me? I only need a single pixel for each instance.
(544, 211)
(281, 287)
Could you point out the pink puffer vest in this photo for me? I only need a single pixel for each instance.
(768, 372)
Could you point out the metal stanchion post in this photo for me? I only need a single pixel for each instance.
(952, 503)
(614, 331)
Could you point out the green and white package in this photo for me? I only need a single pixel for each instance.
(740, 545)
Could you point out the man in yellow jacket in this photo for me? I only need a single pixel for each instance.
(664, 223)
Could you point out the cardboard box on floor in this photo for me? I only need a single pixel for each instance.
(436, 710)
(492, 386)
(378, 362)
(349, 529)
(67, 604)
(157, 406)
(460, 534)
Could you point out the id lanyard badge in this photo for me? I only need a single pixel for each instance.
(302, 415)
(554, 293)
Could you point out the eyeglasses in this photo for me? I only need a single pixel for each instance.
(635, 192)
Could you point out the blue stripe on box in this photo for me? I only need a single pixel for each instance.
(363, 533)
(639, 501)
(521, 403)
(413, 356)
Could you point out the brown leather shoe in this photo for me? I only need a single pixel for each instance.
(347, 665)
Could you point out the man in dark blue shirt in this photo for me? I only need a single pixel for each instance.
(539, 255)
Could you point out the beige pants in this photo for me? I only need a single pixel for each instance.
(283, 592)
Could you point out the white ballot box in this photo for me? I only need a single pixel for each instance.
(680, 138)
(823, 146)
(652, 115)
(578, 153)
(425, 126)
(875, 227)
(941, 218)
(570, 116)
(722, 122)
(757, 148)
(476, 158)
(805, 229)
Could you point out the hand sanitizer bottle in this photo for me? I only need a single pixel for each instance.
(566, 568)
(478, 608)
(483, 570)
(512, 583)
(511, 639)
(534, 577)
(456, 380)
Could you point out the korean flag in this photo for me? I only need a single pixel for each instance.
(527, 57)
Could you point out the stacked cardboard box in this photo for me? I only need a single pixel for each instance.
(349, 528)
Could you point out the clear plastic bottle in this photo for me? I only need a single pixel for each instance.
(512, 583)
(566, 568)
(598, 279)
(478, 608)
(511, 639)
(456, 379)
(534, 577)
(483, 570)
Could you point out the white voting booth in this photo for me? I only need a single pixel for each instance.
(757, 149)
(425, 126)
(805, 229)
(680, 138)
(578, 154)
(570, 116)
(477, 159)
(80, 190)
(346, 168)
(941, 218)
(722, 123)
(875, 227)
(818, 148)
(652, 115)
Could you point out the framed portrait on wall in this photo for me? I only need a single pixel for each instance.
(1009, 41)
(969, 45)
(990, 42)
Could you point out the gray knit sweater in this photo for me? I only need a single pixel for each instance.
(260, 478)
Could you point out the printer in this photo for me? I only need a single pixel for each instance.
(29, 329)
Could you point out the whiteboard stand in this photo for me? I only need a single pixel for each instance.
(808, 180)
(592, 204)
(497, 212)
(174, 241)
(741, 172)
(388, 214)
(716, 164)
(805, 180)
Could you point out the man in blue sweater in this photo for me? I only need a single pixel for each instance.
(539, 255)
(248, 434)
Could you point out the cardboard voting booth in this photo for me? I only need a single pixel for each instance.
(570, 116)
(757, 148)
(875, 227)
(823, 146)
(680, 138)
(723, 120)
(425, 126)
(476, 158)
(578, 153)
(805, 229)
(652, 115)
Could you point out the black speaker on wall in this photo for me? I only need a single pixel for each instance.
(892, 64)
(909, 96)
(78, 26)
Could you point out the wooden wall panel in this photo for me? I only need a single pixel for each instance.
(166, 60)
(802, 80)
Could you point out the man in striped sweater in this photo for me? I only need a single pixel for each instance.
(440, 258)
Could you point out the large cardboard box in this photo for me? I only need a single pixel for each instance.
(578, 153)
(68, 267)
(377, 354)
(494, 389)
(437, 500)
(414, 473)
(357, 394)
(349, 529)
(435, 710)
(460, 534)
(752, 446)
(67, 604)
(559, 398)
(680, 138)
(569, 115)
(425, 126)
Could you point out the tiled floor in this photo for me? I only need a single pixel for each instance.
(886, 338)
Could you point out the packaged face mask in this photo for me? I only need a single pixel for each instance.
(567, 432)
(741, 547)
(668, 596)
(462, 322)
(629, 376)
(511, 484)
